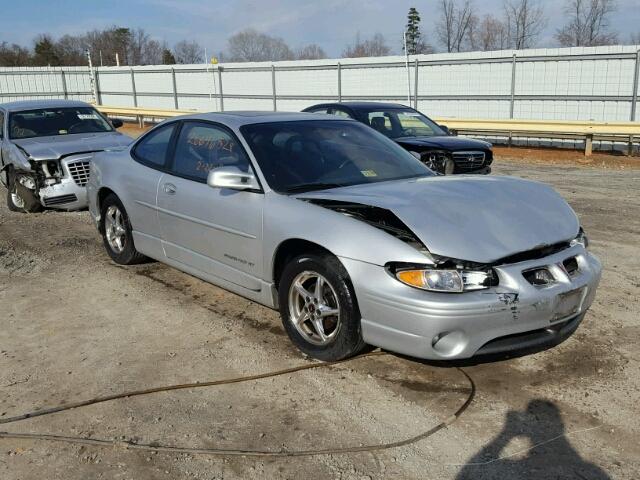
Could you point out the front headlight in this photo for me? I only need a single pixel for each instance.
(436, 280)
(581, 239)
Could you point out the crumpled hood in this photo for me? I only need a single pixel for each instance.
(54, 147)
(478, 219)
(451, 143)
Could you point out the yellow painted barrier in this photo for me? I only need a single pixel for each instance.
(587, 131)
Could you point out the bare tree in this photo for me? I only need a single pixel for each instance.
(376, 46)
(14, 55)
(490, 34)
(105, 44)
(588, 24)
(454, 26)
(71, 50)
(143, 50)
(188, 52)
(525, 20)
(310, 52)
(252, 46)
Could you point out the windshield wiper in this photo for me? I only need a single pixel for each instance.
(306, 187)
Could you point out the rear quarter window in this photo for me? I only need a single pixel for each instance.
(153, 148)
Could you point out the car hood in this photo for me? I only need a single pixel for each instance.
(445, 142)
(477, 219)
(54, 147)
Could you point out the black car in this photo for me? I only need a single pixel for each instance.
(432, 143)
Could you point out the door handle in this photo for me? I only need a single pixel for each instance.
(169, 188)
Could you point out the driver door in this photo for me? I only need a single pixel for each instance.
(217, 231)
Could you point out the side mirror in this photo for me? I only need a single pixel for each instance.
(117, 123)
(446, 129)
(416, 154)
(233, 178)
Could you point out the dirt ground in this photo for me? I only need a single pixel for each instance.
(73, 325)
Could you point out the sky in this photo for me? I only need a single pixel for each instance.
(330, 23)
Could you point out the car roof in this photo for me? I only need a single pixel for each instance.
(361, 105)
(239, 118)
(35, 104)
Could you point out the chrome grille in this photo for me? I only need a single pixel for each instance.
(79, 171)
(468, 161)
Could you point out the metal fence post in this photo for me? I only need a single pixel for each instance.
(220, 87)
(175, 89)
(98, 92)
(63, 79)
(415, 86)
(513, 86)
(634, 94)
(133, 89)
(273, 86)
(339, 82)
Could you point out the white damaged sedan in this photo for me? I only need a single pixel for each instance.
(353, 239)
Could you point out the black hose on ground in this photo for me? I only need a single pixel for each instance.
(221, 451)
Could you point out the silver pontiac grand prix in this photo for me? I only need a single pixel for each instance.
(353, 239)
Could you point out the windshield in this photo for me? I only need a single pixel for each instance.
(318, 154)
(396, 123)
(45, 122)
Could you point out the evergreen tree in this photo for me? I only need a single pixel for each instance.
(167, 57)
(413, 32)
(45, 51)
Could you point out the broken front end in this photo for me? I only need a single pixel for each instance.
(452, 309)
(58, 183)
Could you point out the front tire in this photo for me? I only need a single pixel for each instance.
(116, 233)
(19, 197)
(319, 309)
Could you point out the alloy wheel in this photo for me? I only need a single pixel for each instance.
(313, 308)
(114, 228)
(17, 200)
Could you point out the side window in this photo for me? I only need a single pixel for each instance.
(1, 125)
(202, 147)
(381, 122)
(340, 113)
(153, 148)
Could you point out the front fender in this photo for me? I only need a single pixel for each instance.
(287, 218)
(14, 155)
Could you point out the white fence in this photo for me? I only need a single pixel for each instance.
(598, 83)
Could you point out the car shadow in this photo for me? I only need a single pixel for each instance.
(548, 455)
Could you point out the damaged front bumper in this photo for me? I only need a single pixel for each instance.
(515, 314)
(69, 192)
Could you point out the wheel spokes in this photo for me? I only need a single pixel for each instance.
(319, 328)
(318, 289)
(326, 311)
(114, 229)
(314, 308)
(303, 292)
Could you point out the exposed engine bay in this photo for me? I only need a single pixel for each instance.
(55, 183)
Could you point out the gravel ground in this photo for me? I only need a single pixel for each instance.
(74, 325)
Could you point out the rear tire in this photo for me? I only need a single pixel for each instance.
(117, 233)
(319, 309)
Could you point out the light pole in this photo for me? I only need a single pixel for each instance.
(406, 57)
